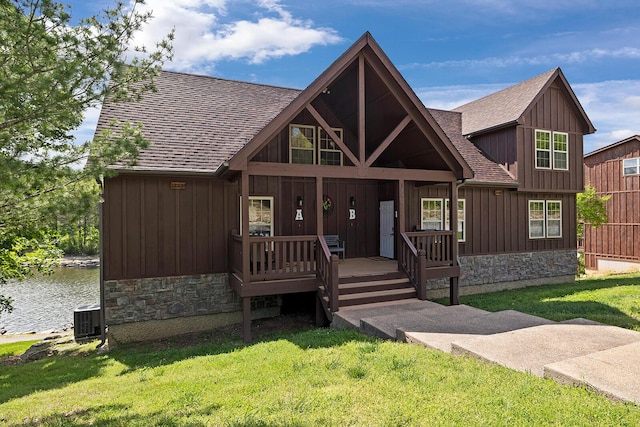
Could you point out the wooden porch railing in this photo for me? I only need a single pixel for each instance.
(276, 257)
(413, 262)
(437, 246)
(328, 274)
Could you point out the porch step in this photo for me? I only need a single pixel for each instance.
(377, 296)
(374, 286)
(370, 289)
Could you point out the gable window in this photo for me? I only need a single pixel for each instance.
(330, 153)
(545, 219)
(435, 216)
(552, 155)
(631, 166)
(310, 145)
(302, 144)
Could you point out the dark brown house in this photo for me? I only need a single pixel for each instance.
(614, 170)
(240, 196)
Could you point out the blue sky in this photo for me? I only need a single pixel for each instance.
(450, 52)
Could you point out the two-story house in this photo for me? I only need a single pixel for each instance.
(249, 192)
(614, 171)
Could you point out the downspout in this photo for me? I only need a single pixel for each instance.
(459, 184)
(103, 327)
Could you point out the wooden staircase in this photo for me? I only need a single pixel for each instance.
(360, 290)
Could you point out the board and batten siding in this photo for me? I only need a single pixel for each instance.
(160, 226)
(498, 223)
(552, 112)
(619, 239)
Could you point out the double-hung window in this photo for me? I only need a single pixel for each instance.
(310, 145)
(545, 219)
(435, 216)
(552, 150)
(302, 144)
(260, 216)
(631, 166)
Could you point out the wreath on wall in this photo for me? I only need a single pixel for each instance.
(327, 204)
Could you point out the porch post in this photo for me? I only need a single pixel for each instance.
(319, 211)
(454, 291)
(245, 226)
(401, 222)
(246, 319)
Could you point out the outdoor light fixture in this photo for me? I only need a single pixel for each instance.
(352, 202)
(299, 201)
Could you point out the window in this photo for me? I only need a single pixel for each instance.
(560, 151)
(461, 218)
(545, 219)
(435, 216)
(260, 216)
(543, 149)
(305, 149)
(552, 156)
(330, 153)
(302, 144)
(432, 214)
(631, 166)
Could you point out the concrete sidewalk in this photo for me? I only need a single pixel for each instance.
(581, 352)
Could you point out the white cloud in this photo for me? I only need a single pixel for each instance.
(208, 31)
(575, 57)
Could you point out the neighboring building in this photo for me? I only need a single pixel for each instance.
(614, 170)
(228, 207)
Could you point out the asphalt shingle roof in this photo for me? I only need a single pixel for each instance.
(195, 123)
(485, 170)
(502, 107)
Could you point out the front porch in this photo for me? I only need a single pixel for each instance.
(296, 264)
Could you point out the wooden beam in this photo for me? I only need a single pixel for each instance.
(454, 290)
(388, 140)
(319, 210)
(323, 123)
(361, 109)
(401, 218)
(326, 171)
(245, 225)
(246, 319)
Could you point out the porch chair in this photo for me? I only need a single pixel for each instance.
(336, 246)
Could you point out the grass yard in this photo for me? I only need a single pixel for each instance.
(15, 348)
(306, 378)
(614, 300)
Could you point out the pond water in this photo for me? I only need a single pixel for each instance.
(45, 303)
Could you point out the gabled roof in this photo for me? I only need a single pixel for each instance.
(485, 170)
(506, 107)
(364, 47)
(614, 145)
(195, 123)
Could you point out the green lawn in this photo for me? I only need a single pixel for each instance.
(16, 348)
(307, 378)
(318, 377)
(614, 300)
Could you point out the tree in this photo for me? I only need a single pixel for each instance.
(591, 208)
(51, 72)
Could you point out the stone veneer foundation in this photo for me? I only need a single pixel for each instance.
(491, 273)
(159, 307)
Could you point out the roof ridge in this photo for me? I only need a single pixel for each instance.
(206, 76)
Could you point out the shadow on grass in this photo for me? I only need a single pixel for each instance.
(119, 415)
(149, 355)
(47, 374)
(557, 302)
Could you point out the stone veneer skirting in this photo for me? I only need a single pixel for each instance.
(152, 308)
(491, 273)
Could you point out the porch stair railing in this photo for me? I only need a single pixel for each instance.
(327, 273)
(413, 262)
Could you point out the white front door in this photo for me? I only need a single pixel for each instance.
(387, 237)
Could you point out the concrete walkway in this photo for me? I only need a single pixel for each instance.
(579, 351)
